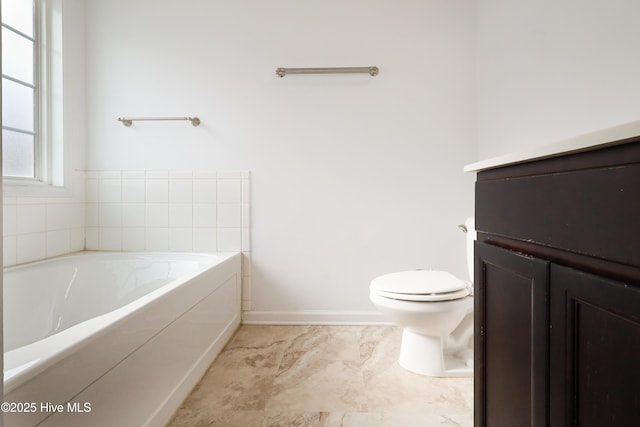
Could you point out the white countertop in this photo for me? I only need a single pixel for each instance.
(589, 141)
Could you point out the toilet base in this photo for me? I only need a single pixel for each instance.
(422, 354)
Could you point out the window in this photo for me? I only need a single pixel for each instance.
(20, 92)
(36, 159)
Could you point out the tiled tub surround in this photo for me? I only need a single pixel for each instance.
(167, 211)
(36, 228)
(177, 211)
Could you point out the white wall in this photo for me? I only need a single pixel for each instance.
(550, 70)
(352, 176)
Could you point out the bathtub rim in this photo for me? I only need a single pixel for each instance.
(91, 253)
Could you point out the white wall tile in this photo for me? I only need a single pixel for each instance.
(180, 175)
(205, 175)
(133, 215)
(133, 191)
(133, 175)
(58, 216)
(181, 216)
(246, 264)
(58, 242)
(246, 240)
(77, 215)
(246, 288)
(133, 239)
(110, 175)
(180, 239)
(156, 215)
(205, 240)
(79, 190)
(77, 239)
(110, 239)
(246, 215)
(92, 238)
(110, 191)
(181, 191)
(92, 191)
(204, 216)
(31, 201)
(229, 216)
(156, 174)
(156, 239)
(31, 247)
(92, 215)
(204, 191)
(157, 191)
(9, 220)
(229, 239)
(31, 218)
(110, 214)
(229, 191)
(246, 191)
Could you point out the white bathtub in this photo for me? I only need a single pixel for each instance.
(114, 338)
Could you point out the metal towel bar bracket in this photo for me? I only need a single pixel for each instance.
(373, 70)
(129, 121)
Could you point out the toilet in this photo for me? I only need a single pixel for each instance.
(435, 310)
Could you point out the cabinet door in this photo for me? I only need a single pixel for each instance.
(511, 338)
(595, 351)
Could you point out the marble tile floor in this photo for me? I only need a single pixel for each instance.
(281, 376)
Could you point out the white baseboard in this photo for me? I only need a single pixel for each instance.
(314, 318)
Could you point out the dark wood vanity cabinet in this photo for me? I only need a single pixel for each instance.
(511, 342)
(557, 291)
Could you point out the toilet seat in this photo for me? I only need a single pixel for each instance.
(420, 285)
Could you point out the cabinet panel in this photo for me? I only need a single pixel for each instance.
(511, 338)
(574, 211)
(595, 350)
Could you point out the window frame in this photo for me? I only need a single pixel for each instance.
(53, 173)
(35, 86)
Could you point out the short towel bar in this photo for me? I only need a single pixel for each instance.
(373, 70)
(129, 121)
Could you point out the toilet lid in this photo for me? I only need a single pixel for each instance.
(420, 285)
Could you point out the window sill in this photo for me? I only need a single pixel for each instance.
(20, 188)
